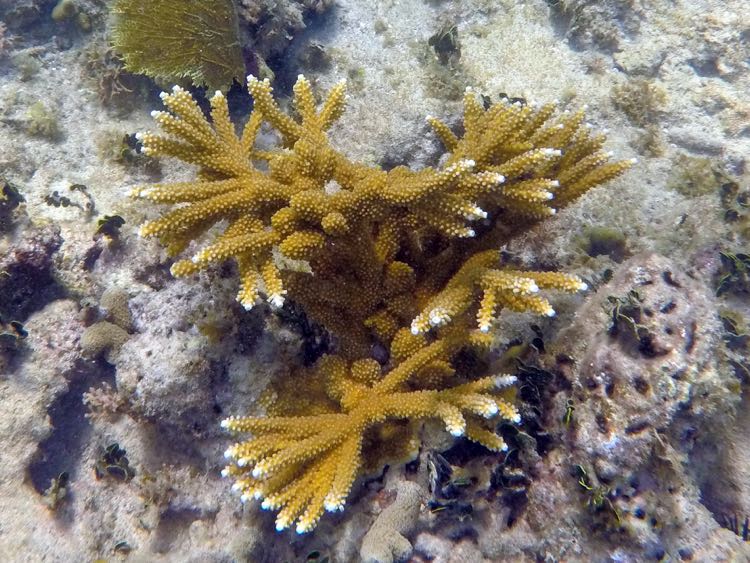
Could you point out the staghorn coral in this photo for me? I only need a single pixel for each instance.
(510, 164)
(304, 465)
(406, 258)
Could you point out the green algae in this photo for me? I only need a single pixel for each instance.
(176, 39)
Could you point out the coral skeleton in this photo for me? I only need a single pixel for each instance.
(408, 259)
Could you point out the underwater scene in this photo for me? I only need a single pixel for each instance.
(330, 281)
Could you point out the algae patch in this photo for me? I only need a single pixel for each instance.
(176, 39)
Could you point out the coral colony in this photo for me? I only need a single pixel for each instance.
(404, 259)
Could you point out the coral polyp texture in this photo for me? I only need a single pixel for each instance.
(405, 259)
(305, 464)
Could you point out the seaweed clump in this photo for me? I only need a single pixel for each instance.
(42, 121)
(695, 176)
(598, 241)
(404, 260)
(641, 100)
(176, 39)
(105, 69)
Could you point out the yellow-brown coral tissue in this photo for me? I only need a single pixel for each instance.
(405, 259)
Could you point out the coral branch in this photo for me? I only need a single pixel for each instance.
(305, 465)
(523, 162)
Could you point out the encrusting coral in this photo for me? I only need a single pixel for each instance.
(405, 258)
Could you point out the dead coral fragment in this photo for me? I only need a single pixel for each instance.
(304, 465)
(385, 541)
(175, 39)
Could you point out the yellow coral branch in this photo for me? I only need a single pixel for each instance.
(303, 466)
